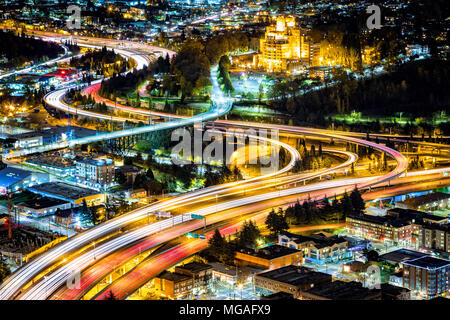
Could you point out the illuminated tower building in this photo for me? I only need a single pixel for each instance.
(280, 46)
(285, 47)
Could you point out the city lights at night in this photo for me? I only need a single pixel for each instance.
(237, 158)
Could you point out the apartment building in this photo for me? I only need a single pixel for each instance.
(427, 277)
(173, 285)
(270, 257)
(380, 229)
(398, 227)
(200, 273)
(95, 172)
(317, 248)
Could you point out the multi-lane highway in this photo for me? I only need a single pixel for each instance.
(76, 254)
(134, 279)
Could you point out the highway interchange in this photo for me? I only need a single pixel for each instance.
(45, 276)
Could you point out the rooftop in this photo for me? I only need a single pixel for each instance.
(10, 176)
(402, 255)
(193, 267)
(398, 217)
(231, 270)
(427, 198)
(389, 289)
(96, 162)
(271, 252)
(428, 263)
(52, 161)
(320, 240)
(173, 276)
(63, 190)
(42, 203)
(295, 275)
(382, 220)
(339, 290)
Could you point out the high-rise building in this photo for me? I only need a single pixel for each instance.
(281, 45)
(99, 173)
(286, 47)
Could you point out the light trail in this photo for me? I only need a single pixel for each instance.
(102, 271)
(62, 58)
(43, 289)
(22, 276)
(127, 284)
(222, 105)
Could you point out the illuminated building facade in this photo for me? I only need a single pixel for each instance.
(96, 172)
(270, 257)
(380, 229)
(281, 45)
(427, 276)
(286, 47)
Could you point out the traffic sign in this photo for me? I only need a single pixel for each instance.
(195, 235)
(196, 216)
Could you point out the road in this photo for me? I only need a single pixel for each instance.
(152, 266)
(24, 275)
(54, 280)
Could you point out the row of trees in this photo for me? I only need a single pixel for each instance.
(19, 49)
(160, 139)
(225, 250)
(224, 75)
(310, 159)
(418, 87)
(105, 62)
(192, 64)
(224, 174)
(313, 212)
(120, 85)
(169, 174)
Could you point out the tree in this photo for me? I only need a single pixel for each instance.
(110, 296)
(276, 222)
(149, 174)
(248, 235)
(346, 204)
(4, 270)
(189, 65)
(221, 249)
(87, 215)
(371, 255)
(216, 243)
(357, 202)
